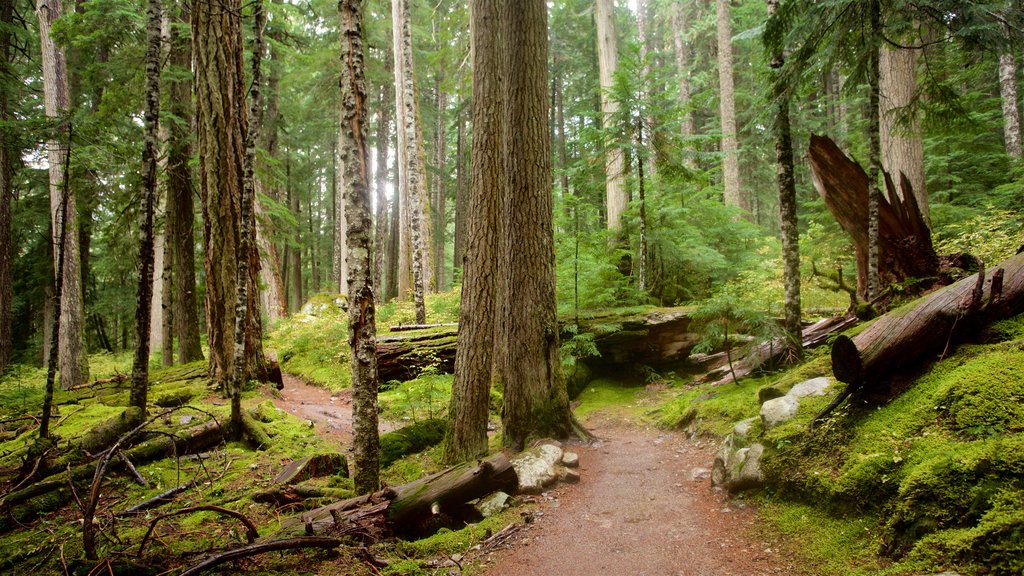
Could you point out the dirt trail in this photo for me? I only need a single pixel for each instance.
(643, 507)
(331, 414)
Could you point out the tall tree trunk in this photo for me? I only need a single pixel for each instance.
(536, 402)
(73, 362)
(437, 203)
(874, 146)
(393, 260)
(1011, 114)
(467, 413)
(362, 330)
(216, 37)
(787, 205)
(381, 172)
(272, 295)
(180, 203)
(461, 189)
(902, 147)
(834, 117)
(144, 297)
(614, 160)
(642, 198)
(340, 224)
(727, 108)
(8, 152)
(166, 266)
(295, 299)
(683, 71)
(411, 155)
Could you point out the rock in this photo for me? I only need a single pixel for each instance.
(737, 468)
(769, 393)
(813, 387)
(536, 468)
(699, 474)
(568, 475)
(570, 460)
(742, 428)
(490, 505)
(315, 466)
(777, 411)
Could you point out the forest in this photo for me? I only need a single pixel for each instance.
(418, 287)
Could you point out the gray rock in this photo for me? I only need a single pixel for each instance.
(536, 468)
(699, 474)
(737, 467)
(570, 460)
(742, 428)
(813, 387)
(490, 505)
(777, 411)
(568, 475)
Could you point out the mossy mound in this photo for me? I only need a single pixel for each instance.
(411, 439)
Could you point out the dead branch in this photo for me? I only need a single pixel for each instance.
(156, 500)
(262, 548)
(250, 529)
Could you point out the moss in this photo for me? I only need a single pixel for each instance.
(174, 397)
(1006, 330)
(986, 394)
(410, 439)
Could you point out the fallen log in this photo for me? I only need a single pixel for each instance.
(406, 327)
(904, 240)
(927, 328)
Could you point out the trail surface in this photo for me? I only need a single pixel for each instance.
(644, 507)
(329, 413)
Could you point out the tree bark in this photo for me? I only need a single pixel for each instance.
(528, 361)
(438, 187)
(1011, 114)
(394, 266)
(381, 220)
(614, 163)
(902, 147)
(362, 324)
(467, 413)
(340, 224)
(8, 153)
(180, 203)
(462, 191)
(929, 326)
(140, 364)
(905, 246)
(74, 364)
(294, 287)
(727, 108)
(874, 149)
(682, 69)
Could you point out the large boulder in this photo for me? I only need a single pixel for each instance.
(813, 387)
(537, 468)
(778, 410)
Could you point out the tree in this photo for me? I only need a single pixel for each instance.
(467, 414)
(902, 147)
(362, 331)
(74, 364)
(221, 126)
(1008, 92)
(681, 51)
(614, 163)
(875, 144)
(140, 364)
(528, 361)
(727, 107)
(381, 172)
(8, 153)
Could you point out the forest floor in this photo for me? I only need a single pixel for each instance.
(644, 505)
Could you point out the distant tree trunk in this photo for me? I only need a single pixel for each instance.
(295, 299)
(73, 362)
(529, 365)
(835, 107)
(461, 190)
(394, 240)
(8, 153)
(362, 331)
(787, 207)
(727, 108)
(140, 364)
(1011, 114)
(874, 146)
(180, 204)
(563, 148)
(614, 160)
(901, 144)
(642, 197)
(682, 69)
(381, 220)
(273, 299)
(220, 121)
(411, 156)
(438, 187)
(467, 413)
(166, 251)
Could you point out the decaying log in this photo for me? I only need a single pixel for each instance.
(405, 357)
(904, 241)
(406, 327)
(262, 548)
(927, 328)
(403, 509)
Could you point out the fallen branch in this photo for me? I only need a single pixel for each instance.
(131, 468)
(262, 548)
(156, 500)
(251, 534)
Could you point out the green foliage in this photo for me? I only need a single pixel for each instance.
(411, 439)
(422, 398)
(991, 235)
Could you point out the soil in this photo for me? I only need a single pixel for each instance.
(644, 505)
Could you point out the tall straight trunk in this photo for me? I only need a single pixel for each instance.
(683, 71)
(411, 155)
(461, 189)
(529, 365)
(474, 353)
(339, 187)
(727, 110)
(874, 145)
(272, 295)
(902, 147)
(642, 198)
(140, 364)
(563, 148)
(362, 330)
(165, 248)
(834, 108)
(643, 41)
(73, 362)
(1011, 113)
(180, 203)
(438, 192)
(220, 122)
(8, 153)
(295, 299)
(614, 160)
(381, 220)
(393, 260)
(787, 205)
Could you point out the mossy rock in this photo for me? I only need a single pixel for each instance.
(577, 378)
(175, 397)
(411, 439)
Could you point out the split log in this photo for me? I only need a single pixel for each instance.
(926, 329)
(904, 241)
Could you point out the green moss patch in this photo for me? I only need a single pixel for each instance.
(411, 439)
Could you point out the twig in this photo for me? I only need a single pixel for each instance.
(250, 529)
(158, 499)
(131, 468)
(263, 547)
